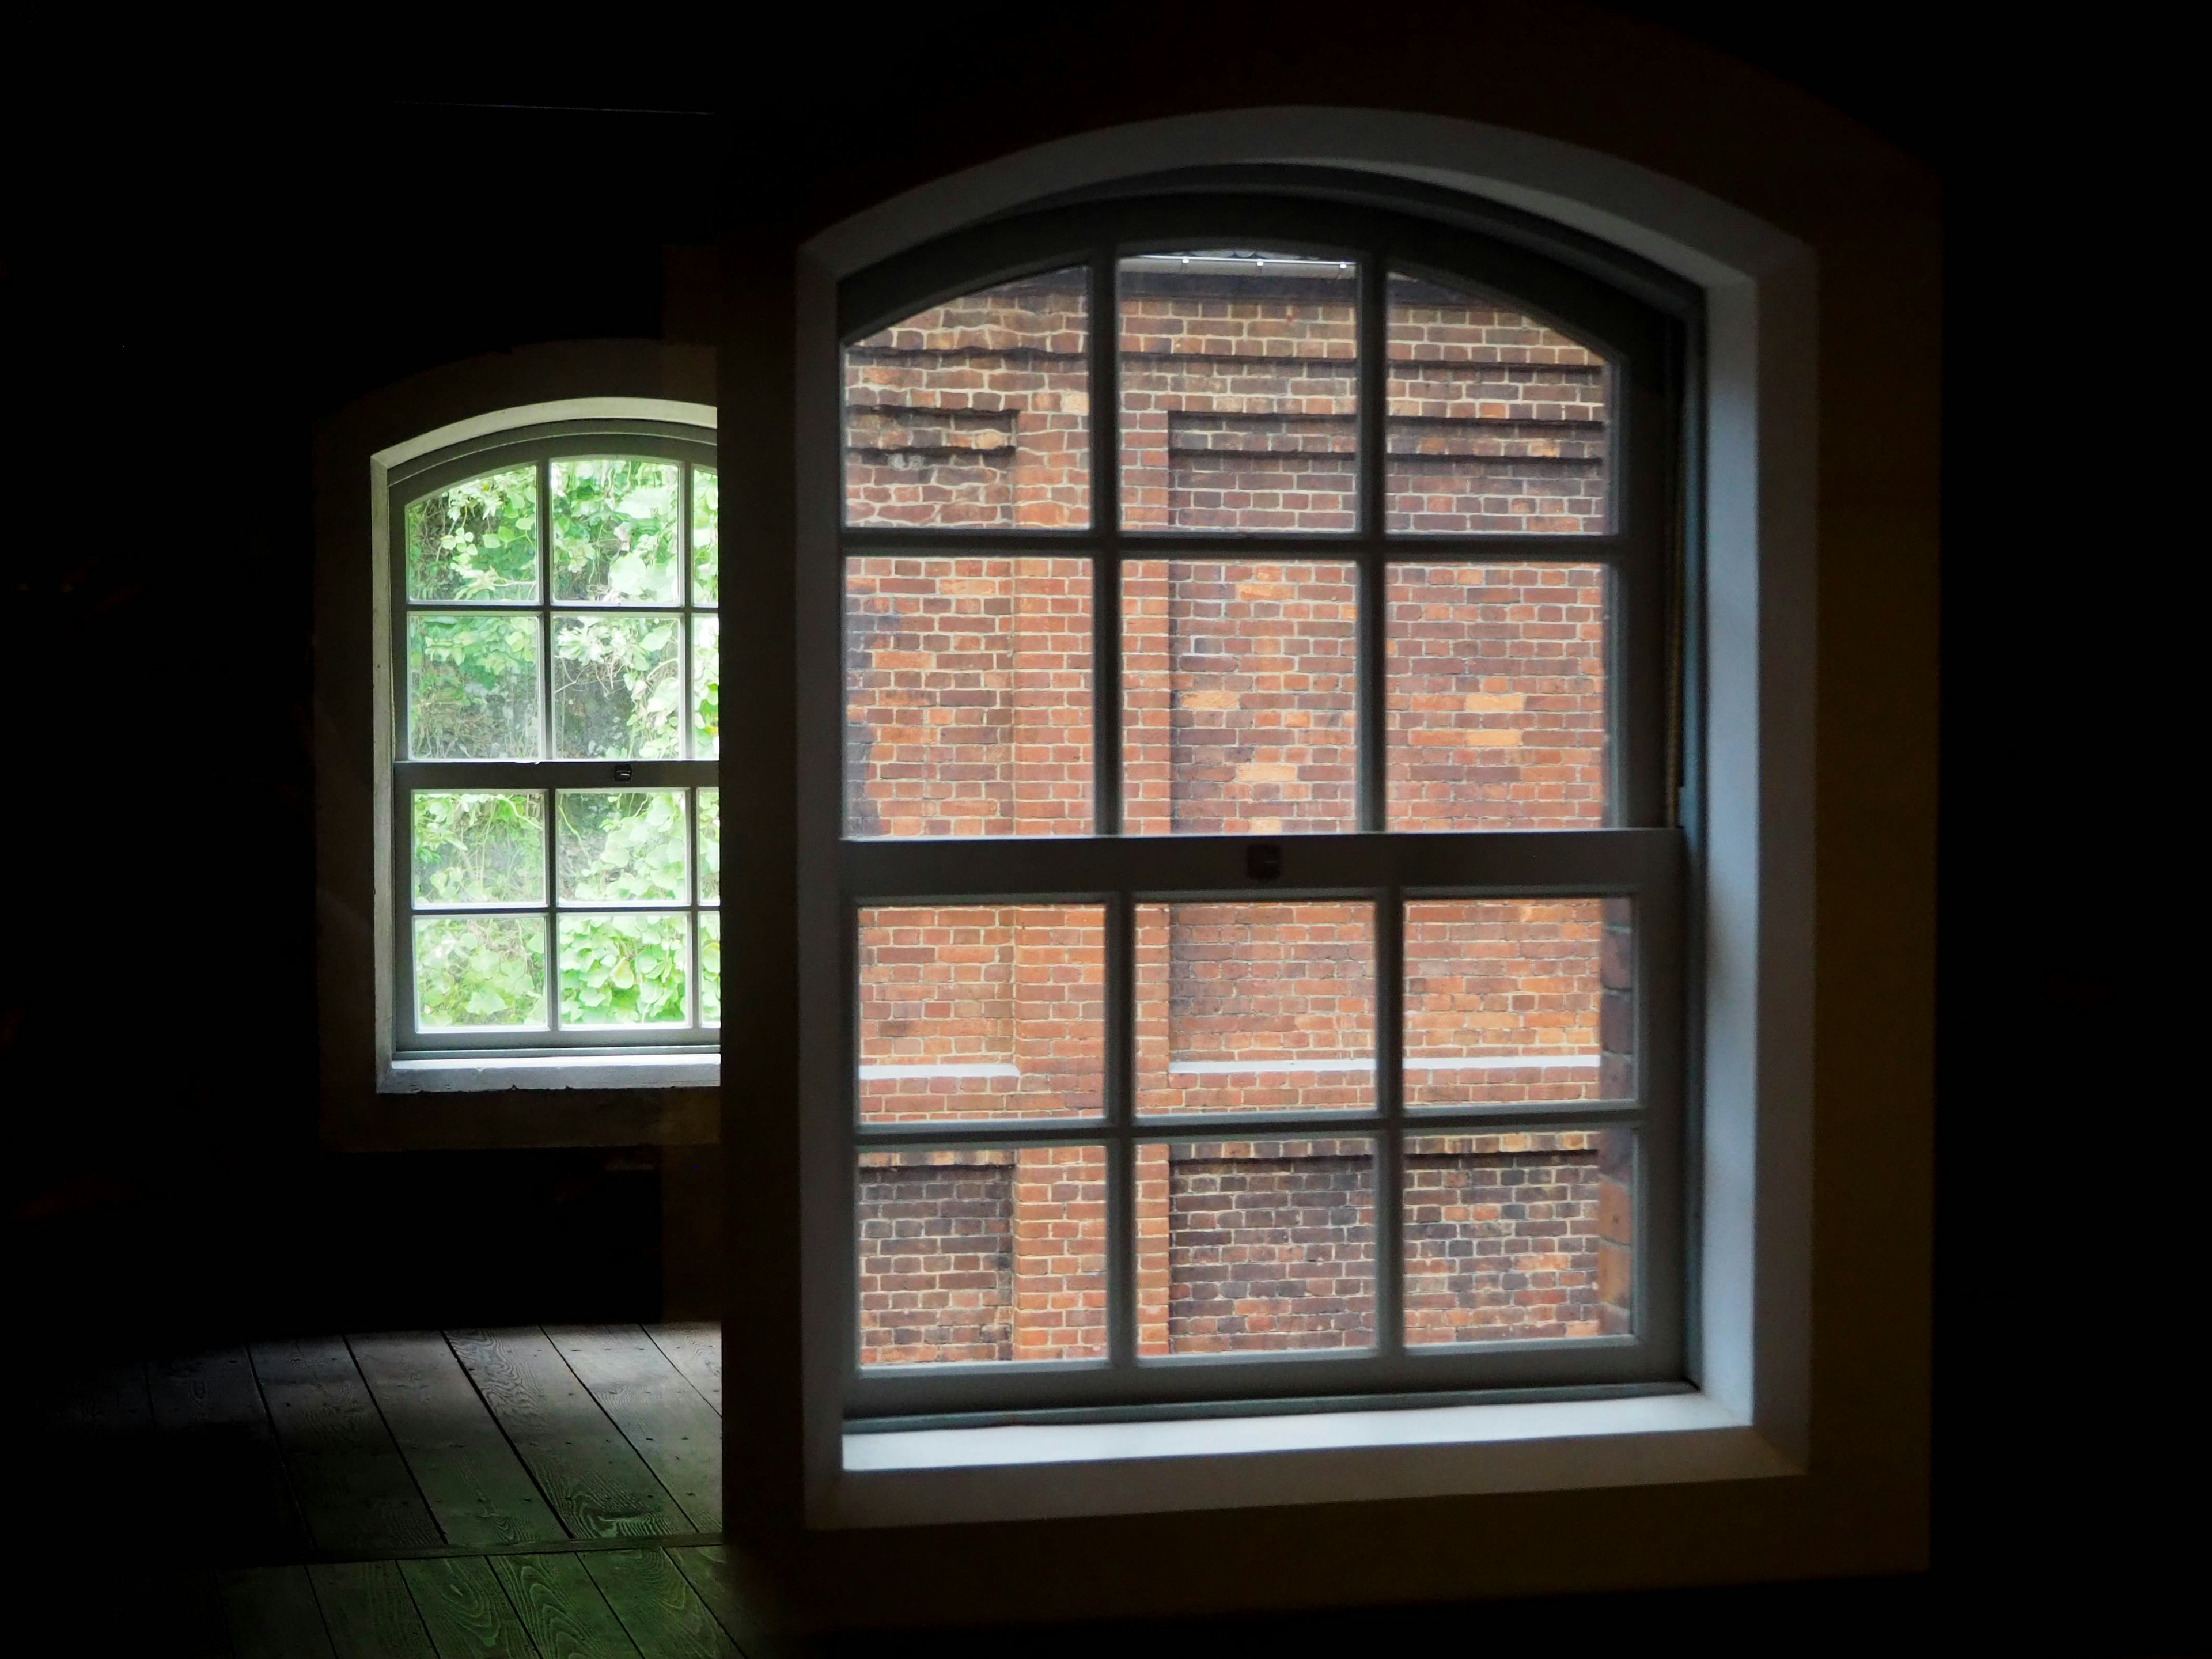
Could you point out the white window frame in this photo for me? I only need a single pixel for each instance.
(372, 1097)
(441, 1062)
(1750, 741)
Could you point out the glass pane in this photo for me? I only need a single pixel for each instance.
(710, 845)
(476, 541)
(617, 687)
(710, 967)
(1497, 696)
(1252, 1246)
(479, 972)
(967, 697)
(620, 847)
(1519, 1237)
(1239, 391)
(1497, 424)
(1255, 1007)
(1239, 698)
(1509, 1000)
(471, 686)
(706, 687)
(983, 1011)
(618, 532)
(479, 849)
(705, 536)
(623, 969)
(976, 412)
(992, 1254)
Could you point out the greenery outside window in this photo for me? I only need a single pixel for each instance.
(556, 860)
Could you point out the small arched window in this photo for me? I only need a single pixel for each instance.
(554, 829)
(1262, 916)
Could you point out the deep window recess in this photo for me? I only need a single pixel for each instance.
(556, 858)
(1263, 915)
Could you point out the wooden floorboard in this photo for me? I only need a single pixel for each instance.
(561, 1607)
(223, 1491)
(352, 1484)
(596, 1482)
(466, 1610)
(369, 1612)
(478, 1490)
(272, 1614)
(713, 1574)
(92, 1445)
(658, 1606)
(696, 1350)
(663, 1417)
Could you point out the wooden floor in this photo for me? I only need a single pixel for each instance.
(551, 1490)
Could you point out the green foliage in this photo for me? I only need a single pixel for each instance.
(618, 532)
(710, 967)
(710, 845)
(615, 539)
(622, 969)
(621, 845)
(473, 685)
(706, 686)
(476, 541)
(617, 687)
(473, 849)
(479, 971)
(705, 536)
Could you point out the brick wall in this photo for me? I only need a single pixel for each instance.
(968, 686)
(1244, 1246)
(981, 1010)
(976, 411)
(1517, 1236)
(1239, 394)
(969, 679)
(986, 1254)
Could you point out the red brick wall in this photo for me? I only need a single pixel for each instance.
(1496, 423)
(1271, 989)
(968, 687)
(1245, 1245)
(989, 1255)
(976, 411)
(1016, 992)
(1239, 697)
(1517, 1236)
(968, 679)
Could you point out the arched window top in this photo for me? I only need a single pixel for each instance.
(1244, 361)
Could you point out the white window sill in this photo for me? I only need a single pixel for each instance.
(1033, 1471)
(477, 1074)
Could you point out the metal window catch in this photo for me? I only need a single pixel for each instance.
(622, 774)
(1263, 860)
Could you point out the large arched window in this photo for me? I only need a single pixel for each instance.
(555, 813)
(1261, 911)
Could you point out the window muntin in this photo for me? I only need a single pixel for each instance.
(557, 820)
(1382, 665)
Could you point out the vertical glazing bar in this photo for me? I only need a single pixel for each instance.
(552, 797)
(1391, 1100)
(1374, 382)
(1106, 566)
(1121, 1146)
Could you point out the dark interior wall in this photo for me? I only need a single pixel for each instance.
(188, 290)
(190, 307)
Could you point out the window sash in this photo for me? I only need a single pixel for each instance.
(1641, 856)
(538, 447)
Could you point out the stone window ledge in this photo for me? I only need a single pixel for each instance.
(1027, 1472)
(477, 1074)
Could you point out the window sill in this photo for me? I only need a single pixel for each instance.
(478, 1074)
(1035, 1472)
